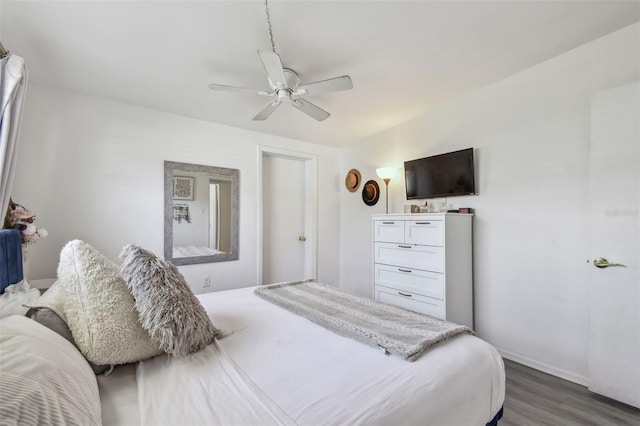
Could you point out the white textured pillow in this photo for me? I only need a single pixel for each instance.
(99, 308)
(168, 309)
(44, 380)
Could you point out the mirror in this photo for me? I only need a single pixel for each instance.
(200, 213)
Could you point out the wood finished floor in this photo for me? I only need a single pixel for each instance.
(534, 398)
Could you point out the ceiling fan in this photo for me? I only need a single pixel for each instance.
(286, 88)
(285, 85)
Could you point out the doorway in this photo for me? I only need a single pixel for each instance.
(287, 227)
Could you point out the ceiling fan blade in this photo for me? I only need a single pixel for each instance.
(310, 109)
(273, 66)
(325, 86)
(240, 89)
(268, 110)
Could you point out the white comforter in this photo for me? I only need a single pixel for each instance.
(316, 377)
(189, 251)
(205, 388)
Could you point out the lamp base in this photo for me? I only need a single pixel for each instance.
(386, 193)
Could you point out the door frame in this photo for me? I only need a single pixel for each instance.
(310, 207)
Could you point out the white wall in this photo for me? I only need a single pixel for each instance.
(92, 169)
(531, 134)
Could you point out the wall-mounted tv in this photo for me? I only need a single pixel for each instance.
(443, 175)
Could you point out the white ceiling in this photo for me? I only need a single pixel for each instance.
(404, 57)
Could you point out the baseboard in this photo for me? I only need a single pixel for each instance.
(545, 368)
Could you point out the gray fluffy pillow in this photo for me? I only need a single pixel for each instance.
(168, 309)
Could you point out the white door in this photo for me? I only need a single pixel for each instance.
(614, 317)
(283, 233)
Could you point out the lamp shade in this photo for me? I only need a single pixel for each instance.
(386, 172)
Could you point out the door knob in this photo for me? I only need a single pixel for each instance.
(302, 238)
(601, 262)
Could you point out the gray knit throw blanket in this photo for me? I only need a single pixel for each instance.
(392, 329)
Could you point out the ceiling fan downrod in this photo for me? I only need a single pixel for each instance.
(266, 7)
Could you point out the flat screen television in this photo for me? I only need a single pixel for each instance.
(444, 175)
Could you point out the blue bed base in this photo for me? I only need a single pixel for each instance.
(494, 421)
(10, 258)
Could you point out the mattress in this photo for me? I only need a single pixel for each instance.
(318, 377)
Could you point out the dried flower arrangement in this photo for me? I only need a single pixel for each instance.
(20, 218)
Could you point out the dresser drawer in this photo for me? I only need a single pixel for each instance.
(411, 301)
(426, 283)
(427, 232)
(390, 231)
(426, 258)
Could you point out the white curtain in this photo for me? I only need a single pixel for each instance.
(13, 83)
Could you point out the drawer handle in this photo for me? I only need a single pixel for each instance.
(404, 270)
(423, 223)
(401, 246)
(404, 294)
(388, 223)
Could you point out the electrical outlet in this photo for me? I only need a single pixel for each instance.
(206, 281)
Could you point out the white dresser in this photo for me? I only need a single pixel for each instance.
(423, 262)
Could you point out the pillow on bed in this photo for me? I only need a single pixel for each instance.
(44, 380)
(99, 308)
(168, 309)
(52, 299)
(54, 322)
(48, 310)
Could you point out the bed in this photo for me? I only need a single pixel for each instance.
(273, 366)
(188, 251)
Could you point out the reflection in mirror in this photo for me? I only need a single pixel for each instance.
(200, 213)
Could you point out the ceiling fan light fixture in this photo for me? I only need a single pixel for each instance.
(285, 84)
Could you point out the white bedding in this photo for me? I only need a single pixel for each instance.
(119, 396)
(210, 385)
(317, 377)
(44, 380)
(188, 251)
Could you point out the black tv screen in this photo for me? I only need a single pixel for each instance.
(443, 175)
